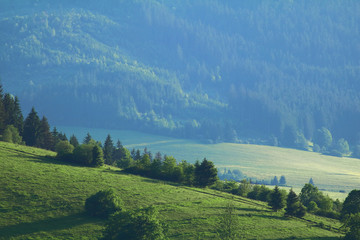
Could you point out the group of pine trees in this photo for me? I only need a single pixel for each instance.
(92, 153)
(32, 131)
(166, 168)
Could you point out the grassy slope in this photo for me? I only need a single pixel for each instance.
(43, 198)
(262, 162)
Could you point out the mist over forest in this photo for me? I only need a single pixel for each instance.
(274, 72)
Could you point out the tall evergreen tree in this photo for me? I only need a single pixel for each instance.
(45, 139)
(74, 141)
(18, 116)
(2, 111)
(87, 139)
(108, 150)
(282, 181)
(9, 106)
(205, 173)
(13, 114)
(31, 128)
(277, 200)
(293, 205)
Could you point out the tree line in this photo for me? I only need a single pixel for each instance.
(160, 167)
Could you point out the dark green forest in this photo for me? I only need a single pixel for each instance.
(271, 72)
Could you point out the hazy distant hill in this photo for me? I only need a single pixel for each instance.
(204, 69)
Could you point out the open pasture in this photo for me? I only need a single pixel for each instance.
(332, 174)
(41, 198)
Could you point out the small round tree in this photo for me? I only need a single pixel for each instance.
(141, 224)
(64, 150)
(103, 203)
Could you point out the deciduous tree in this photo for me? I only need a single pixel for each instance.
(351, 204)
(141, 224)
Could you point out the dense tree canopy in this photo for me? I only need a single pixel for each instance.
(208, 69)
(351, 203)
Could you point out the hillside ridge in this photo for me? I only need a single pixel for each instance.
(44, 198)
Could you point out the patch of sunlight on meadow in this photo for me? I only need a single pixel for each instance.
(329, 173)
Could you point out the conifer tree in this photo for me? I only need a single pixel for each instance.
(98, 159)
(18, 116)
(293, 205)
(9, 106)
(74, 141)
(31, 128)
(87, 139)
(282, 181)
(2, 111)
(205, 173)
(108, 150)
(45, 139)
(276, 201)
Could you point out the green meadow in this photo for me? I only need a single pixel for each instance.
(42, 198)
(330, 174)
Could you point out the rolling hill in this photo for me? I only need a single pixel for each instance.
(44, 198)
(330, 173)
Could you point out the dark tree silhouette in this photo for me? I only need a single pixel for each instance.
(276, 200)
(205, 173)
(31, 128)
(108, 150)
(45, 139)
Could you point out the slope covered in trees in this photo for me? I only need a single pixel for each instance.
(202, 69)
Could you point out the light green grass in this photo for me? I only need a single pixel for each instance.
(41, 198)
(262, 162)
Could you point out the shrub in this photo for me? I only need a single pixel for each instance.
(64, 150)
(11, 134)
(141, 224)
(103, 204)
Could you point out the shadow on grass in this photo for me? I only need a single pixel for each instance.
(51, 160)
(315, 238)
(114, 171)
(51, 224)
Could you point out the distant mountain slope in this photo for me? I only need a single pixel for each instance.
(42, 198)
(204, 69)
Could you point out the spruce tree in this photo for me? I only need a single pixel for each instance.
(276, 201)
(2, 111)
(108, 150)
(282, 181)
(18, 116)
(74, 141)
(31, 128)
(87, 139)
(293, 205)
(9, 106)
(45, 139)
(205, 173)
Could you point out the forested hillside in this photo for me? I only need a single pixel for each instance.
(216, 70)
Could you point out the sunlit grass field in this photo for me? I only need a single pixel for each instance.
(41, 198)
(332, 174)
